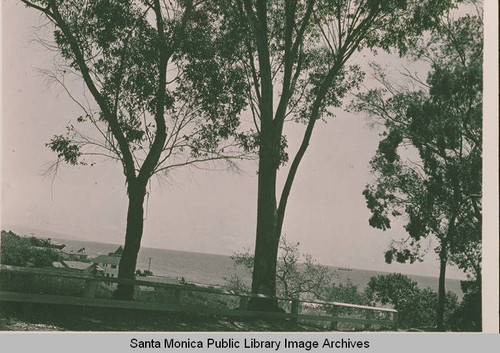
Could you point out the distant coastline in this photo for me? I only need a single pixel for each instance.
(211, 269)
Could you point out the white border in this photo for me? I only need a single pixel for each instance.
(490, 290)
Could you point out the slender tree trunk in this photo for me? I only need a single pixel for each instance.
(443, 258)
(133, 236)
(442, 290)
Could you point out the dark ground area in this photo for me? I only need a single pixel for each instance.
(46, 317)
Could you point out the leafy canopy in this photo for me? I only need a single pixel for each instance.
(165, 89)
(428, 164)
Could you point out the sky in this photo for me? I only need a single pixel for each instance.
(194, 210)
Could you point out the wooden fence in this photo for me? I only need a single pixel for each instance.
(298, 309)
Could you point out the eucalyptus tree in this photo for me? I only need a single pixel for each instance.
(438, 190)
(296, 57)
(164, 94)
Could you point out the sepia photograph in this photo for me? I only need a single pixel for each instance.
(243, 166)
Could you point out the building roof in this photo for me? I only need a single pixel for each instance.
(75, 252)
(106, 259)
(118, 252)
(57, 264)
(78, 265)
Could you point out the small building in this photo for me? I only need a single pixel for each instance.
(109, 263)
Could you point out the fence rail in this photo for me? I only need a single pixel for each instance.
(299, 309)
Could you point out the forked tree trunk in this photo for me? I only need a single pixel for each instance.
(133, 236)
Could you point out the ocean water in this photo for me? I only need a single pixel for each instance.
(211, 269)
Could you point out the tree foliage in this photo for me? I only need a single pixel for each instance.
(161, 78)
(437, 189)
(417, 307)
(347, 292)
(467, 316)
(27, 252)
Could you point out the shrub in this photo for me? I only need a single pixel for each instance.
(18, 251)
(347, 292)
(417, 307)
(40, 284)
(467, 316)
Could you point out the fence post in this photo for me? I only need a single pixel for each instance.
(295, 311)
(395, 319)
(137, 292)
(387, 319)
(178, 295)
(90, 288)
(335, 314)
(369, 316)
(243, 303)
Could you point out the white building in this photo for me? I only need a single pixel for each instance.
(109, 263)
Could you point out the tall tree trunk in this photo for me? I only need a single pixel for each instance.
(443, 258)
(133, 236)
(442, 290)
(266, 242)
(267, 238)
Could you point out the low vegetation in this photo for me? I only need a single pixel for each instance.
(417, 307)
(300, 276)
(27, 252)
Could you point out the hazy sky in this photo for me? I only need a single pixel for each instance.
(195, 210)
